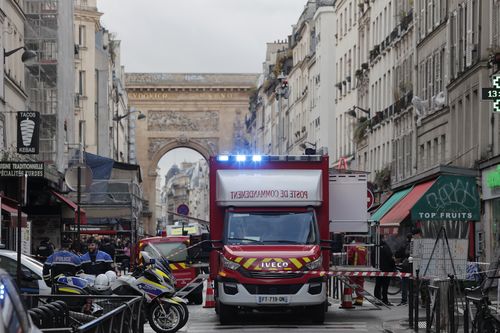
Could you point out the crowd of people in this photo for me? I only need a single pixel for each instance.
(92, 256)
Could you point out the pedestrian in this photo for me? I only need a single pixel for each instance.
(45, 249)
(61, 262)
(386, 264)
(95, 262)
(357, 256)
(108, 247)
(402, 256)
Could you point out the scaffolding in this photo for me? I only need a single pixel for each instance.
(46, 33)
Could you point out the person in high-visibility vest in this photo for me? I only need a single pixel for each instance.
(357, 256)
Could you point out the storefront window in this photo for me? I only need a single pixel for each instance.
(495, 223)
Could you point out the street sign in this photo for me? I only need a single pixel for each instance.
(183, 209)
(28, 132)
(19, 169)
(493, 94)
(370, 199)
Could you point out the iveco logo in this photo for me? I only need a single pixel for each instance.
(273, 264)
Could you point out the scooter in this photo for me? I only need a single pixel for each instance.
(165, 312)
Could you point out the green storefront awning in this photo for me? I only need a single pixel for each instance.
(449, 198)
(388, 204)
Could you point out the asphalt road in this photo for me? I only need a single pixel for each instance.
(358, 320)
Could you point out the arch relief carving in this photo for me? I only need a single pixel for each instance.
(180, 121)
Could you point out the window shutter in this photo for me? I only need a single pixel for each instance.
(469, 43)
(494, 23)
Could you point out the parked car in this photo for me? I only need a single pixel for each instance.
(32, 272)
(13, 316)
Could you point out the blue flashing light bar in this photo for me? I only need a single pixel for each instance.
(262, 158)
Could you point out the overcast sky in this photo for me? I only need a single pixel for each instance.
(198, 36)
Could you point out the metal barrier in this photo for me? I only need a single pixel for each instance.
(120, 313)
(441, 301)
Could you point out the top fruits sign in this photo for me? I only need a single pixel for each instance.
(28, 129)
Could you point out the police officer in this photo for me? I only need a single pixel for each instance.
(61, 262)
(96, 262)
(45, 249)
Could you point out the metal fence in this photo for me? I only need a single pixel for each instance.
(71, 313)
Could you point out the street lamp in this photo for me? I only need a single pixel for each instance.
(118, 118)
(308, 151)
(352, 111)
(27, 54)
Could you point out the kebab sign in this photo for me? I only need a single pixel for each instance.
(28, 132)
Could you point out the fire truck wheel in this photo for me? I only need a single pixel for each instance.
(317, 313)
(227, 313)
(196, 298)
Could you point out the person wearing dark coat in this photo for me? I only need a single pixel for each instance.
(402, 255)
(386, 264)
(108, 247)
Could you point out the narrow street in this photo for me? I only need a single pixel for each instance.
(357, 320)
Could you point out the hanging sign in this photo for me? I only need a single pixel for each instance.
(28, 132)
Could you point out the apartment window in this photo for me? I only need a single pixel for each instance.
(350, 15)
(81, 83)
(82, 38)
(442, 149)
(345, 20)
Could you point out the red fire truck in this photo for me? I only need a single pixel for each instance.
(268, 222)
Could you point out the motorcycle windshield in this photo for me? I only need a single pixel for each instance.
(173, 252)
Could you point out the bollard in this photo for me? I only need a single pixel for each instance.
(437, 309)
(415, 326)
(411, 290)
(451, 303)
(428, 322)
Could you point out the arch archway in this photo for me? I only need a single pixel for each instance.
(203, 112)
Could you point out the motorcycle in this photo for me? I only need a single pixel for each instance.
(165, 312)
(79, 285)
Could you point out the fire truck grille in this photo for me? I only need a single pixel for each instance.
(273, 275)
(259, 289)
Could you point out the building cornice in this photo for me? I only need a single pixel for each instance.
(16, 87)
(18, 8)
(433, 173)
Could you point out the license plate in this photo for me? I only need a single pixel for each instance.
(273, 299)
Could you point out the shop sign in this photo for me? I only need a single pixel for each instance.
(28, 132)
(493, 178)
(449, 198)
(19, 169)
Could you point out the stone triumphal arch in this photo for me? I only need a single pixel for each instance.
(204, 112)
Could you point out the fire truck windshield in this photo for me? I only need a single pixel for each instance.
(271, 228)
(174, 252)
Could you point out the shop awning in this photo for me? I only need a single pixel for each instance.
(13, 214)
(401, 210)
(73, 206)
(450, 198)
(388, 204)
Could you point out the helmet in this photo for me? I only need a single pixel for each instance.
(111, 276)
(101, 282)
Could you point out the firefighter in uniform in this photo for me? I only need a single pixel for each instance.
(357, 256)
(96, 262)
(61, 262)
